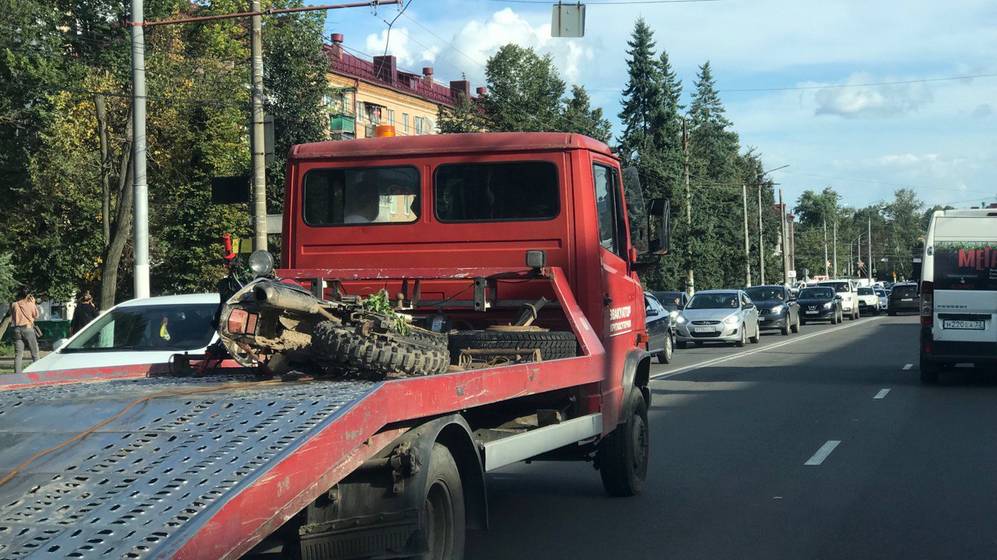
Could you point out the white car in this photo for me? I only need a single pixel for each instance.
(139, 334)
(849, 296)
(868, 300)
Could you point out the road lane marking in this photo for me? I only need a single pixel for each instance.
(882, 394)
(822, 453)
(714, 361)
(908, 366)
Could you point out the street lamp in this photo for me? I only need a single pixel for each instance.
(761, 240)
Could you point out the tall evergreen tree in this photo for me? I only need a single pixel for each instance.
(713, 154)
(524, 91)
(579, 116)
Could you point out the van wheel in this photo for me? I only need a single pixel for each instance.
(623, 454)
(442, 516)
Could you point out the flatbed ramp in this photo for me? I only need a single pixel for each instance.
(144, 483)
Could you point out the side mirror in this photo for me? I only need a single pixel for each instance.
(59, 343)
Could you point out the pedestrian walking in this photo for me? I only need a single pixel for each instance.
(85, 312)
(24, 313)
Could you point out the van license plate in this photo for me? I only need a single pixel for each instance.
(965, 325)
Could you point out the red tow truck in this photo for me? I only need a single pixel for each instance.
(465, 232)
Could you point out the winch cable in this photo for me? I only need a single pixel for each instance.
(141, 400)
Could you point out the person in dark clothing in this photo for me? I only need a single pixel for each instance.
(85, 312)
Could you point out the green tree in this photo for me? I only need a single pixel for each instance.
(643, 114)
(524, 91)
(295, 85)
(464, 116)
(905, 214)
(713, 155)
(580, 117)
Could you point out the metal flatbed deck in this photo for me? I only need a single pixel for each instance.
(141, 485)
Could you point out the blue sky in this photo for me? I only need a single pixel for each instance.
(938, 137)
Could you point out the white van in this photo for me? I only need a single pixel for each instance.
(959, 291)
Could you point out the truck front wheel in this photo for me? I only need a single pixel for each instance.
(623, 454)
(443, 517)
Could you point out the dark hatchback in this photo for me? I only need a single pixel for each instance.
(904, 298)
(777, 308)
(672, 300)
(820, 303)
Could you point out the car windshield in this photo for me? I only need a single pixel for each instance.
(713, 301)
(866, 292)
(762, 293)
(669, 300)
(816, 293)
(148, 327)
(837, 286)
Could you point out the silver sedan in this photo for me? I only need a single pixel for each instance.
(726, 316)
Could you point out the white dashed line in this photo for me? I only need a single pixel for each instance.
(822, 453)
(908, 366)
(882, 394)
(714, 361)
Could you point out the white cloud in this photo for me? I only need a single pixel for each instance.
(477, 40)
(871, 101)
(399, 44)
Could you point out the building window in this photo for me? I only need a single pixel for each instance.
(405, 122)
(419, 125)
(391, 117)
(374, 112)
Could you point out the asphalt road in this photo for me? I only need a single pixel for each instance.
(911, 477)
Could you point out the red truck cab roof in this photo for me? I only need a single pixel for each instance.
(490, 142)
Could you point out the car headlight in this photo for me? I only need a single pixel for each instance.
(829, 305)
(674, 314)
(778, 309)
(261, 263)
(732, 320)
(680, 319)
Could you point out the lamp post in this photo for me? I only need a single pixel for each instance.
(761, 238)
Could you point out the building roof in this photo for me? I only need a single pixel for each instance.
(381, 71)
(449, 143)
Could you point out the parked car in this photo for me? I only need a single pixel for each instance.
(660, 329)
(673, 301)
(884, 299)
(849, 296)
(820, 303)
(904, 298)
(777, 308)
(718, 316)
(139, 332)
(868, 300)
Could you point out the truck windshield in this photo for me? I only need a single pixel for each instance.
(148, 327)
(713, 301)
(367, 195)
(482, 192)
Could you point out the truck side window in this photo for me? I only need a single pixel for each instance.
(491, 192)
(608, 206)
(372, 195)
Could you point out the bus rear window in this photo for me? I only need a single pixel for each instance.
(486, 192)
(369, 195)
(965, 265)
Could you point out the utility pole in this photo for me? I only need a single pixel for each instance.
(761, 239)
(827, 272)
(785, 241)
(259, 149)
(747, 251)
(139, 185)
(834, 229)
(690, 279)
(868, 264)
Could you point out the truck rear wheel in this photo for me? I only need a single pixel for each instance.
(553, 345)
(623, 454)
(418, 352)
(443, 515)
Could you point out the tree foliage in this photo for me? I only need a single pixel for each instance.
(524, 90)
(465, 116)
(580, 117)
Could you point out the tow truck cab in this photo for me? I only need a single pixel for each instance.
(462, 231)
